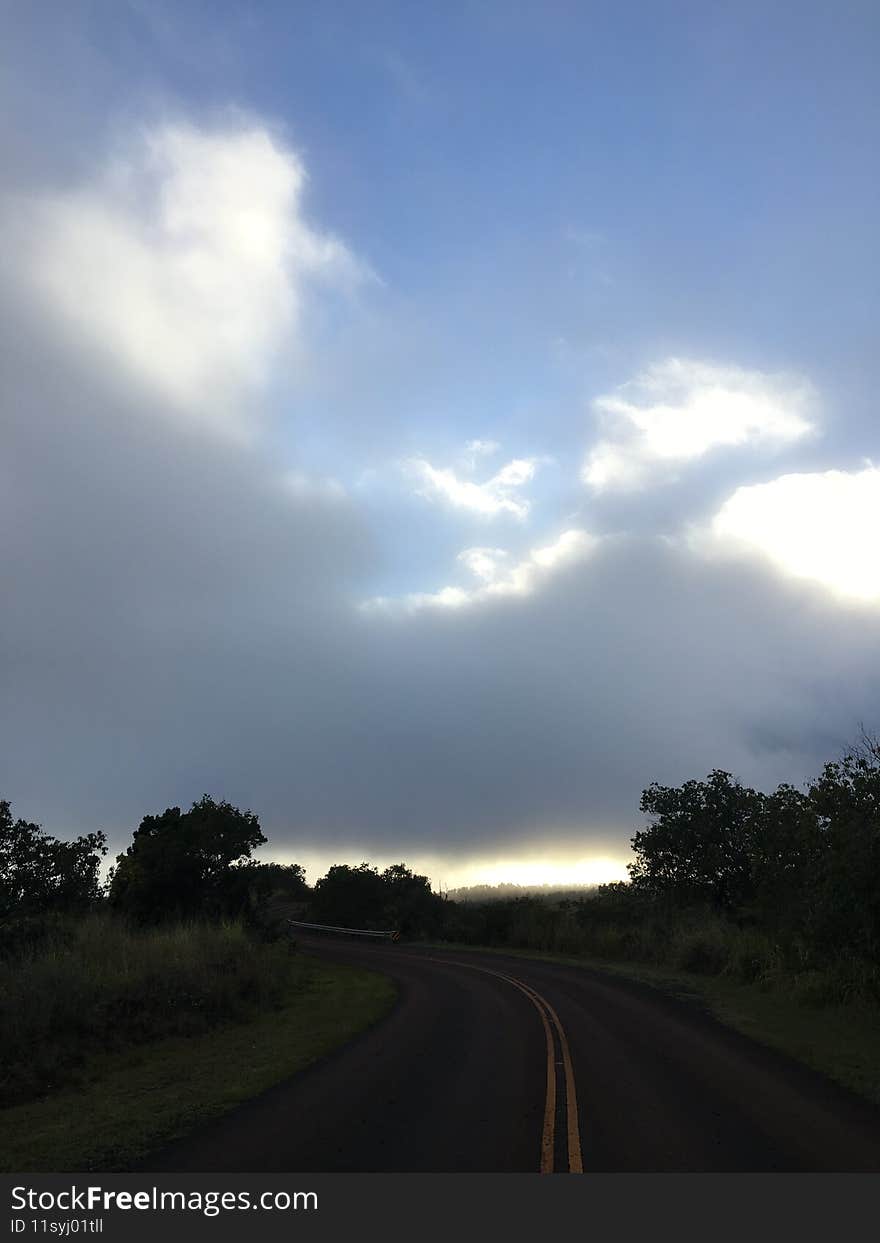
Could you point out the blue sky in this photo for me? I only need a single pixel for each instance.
(630, 249)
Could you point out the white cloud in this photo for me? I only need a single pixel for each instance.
(483, 562)
(497, 495)
(482, 448)
(497, 578)
(185, 263)
(819, 526)
(681, 409)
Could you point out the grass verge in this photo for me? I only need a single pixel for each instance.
(131, 1102)
(840, 1041)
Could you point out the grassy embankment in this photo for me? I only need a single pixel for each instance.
(113, 1041)
(825, 1017)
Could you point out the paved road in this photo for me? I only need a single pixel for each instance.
(496, 1063)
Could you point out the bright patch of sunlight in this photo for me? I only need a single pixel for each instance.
(820, 526)
(592, 870)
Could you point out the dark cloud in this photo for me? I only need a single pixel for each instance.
(179, 618)
(176, 620)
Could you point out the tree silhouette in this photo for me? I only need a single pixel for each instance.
(187, 864)
(700, 846)
(39, 873)
(364, 897)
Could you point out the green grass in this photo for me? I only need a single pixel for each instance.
(840, 1041)
(133, 1100)
(95, 985)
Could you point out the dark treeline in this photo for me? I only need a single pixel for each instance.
(774, 887)
(780, 888)
(194, 866)
(190, 931)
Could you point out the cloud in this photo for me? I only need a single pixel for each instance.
(482, 447)
(184, 263)
(820, 526)
(180, 611)
(498, 579)
(483, 562)
(497, 495)
(178, 620)
(310, 487)
(477, 449)
(497, 728)
(681, 409)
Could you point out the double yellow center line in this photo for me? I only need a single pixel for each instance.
(550, 1020)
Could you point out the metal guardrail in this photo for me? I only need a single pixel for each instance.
(355, 932)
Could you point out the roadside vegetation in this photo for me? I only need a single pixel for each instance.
(96, 984)
(781, 890)
(765, 908)
(132, 1010)
(128, 1101)
(771, 900)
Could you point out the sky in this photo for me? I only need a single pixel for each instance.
(429, 425)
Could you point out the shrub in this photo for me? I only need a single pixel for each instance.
(97, 984)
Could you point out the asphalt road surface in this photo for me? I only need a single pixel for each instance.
(502, 1064)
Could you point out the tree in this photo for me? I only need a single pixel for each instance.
(786, 851)
(411, 906)
(350, 897)
(286, 880)
(195, 863)
(700, 845)
(846, 802)
(363, 897)
(39, 873)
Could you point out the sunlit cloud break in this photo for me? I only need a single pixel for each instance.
(498, 579)
(681, 409)
(820, 526)
(499, 494)
(185, 263)
(593, 870)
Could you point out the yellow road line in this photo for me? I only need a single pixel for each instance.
(575, 1159)
(548, 1137)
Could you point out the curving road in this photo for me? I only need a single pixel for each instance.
(503, 1064)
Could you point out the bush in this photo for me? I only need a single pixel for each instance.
(97, 984)
(702, 947)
